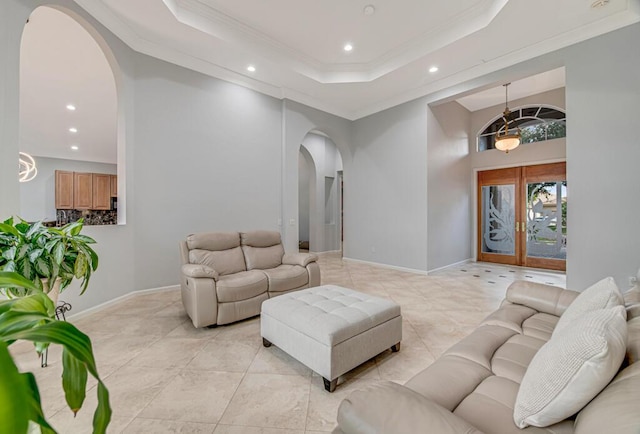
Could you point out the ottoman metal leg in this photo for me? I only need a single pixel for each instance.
(396, 348)
(266, 343)
(330, 386)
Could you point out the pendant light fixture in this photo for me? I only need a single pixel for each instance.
(27, 169)
(507, 141)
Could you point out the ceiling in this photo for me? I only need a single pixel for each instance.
(296, 47)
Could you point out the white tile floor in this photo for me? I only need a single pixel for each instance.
(164, 376)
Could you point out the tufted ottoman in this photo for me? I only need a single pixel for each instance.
(331, 329)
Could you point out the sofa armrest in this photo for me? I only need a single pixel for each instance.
(543, 298)
(391, 408)
(302, 259)
(199, 270)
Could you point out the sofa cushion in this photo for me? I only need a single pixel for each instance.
(241, 286)
(405, 412)
(260, 238)
(601, 295)
(540, 325)
(543, 298)
(224, 261)
(489, 408)
(213, 240)
(512, 359)
(286, 277)
(262, 258)
(570, 369)
(615, 409)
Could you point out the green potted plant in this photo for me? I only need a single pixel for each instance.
(31, 318)
(48, 257)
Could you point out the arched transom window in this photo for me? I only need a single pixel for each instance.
(536, 122)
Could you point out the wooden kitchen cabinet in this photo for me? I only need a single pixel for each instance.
(101, 191)
(64, 189)
(82, 190)
(114, 185)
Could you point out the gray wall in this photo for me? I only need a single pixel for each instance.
(207, 158)
(38, 198)
(449, 181)
(603, 157)
(389, 179)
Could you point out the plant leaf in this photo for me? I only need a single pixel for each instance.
(80, 266)
(74, 380)
(36, 413)
(10, 253)
(35, 254)
(9, 279)
(14, 398)
(33, 229)
(43, 268)
(4, 227)
(58, 252)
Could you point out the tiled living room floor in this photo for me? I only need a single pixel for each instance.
(164, 376)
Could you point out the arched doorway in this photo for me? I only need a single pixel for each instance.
(320, 193)
(68, 120)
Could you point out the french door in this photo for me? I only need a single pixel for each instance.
(522, 216)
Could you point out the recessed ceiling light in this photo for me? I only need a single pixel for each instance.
(251, 68)
(348, 47)
(433, 69)
(73, 130)
(74, 148)
(369, 10)
(71, 107)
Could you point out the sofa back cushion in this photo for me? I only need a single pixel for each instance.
(572, 368)
(213, 240)
(218, 250)
(615, 409)
(601, 295)
(262, 249)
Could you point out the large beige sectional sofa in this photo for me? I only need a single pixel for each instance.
(482, 384)
(227, 275)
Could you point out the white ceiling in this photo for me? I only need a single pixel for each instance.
(532, 85)
(296, 47)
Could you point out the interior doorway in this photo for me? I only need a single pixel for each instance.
(320, 200)
(522, 216)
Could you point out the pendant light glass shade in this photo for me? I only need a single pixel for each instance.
(507, 141)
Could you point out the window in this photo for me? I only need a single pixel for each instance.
(537, 123)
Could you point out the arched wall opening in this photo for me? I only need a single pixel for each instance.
(70, 117)
(321, 204)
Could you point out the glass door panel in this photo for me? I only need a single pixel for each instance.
(547, 220)
(498, 212)
(498, 220)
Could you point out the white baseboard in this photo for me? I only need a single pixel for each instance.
(466, 261)
(392, 267)
(120, 299)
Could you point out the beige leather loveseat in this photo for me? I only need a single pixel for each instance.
(227, 275)
(478, 385)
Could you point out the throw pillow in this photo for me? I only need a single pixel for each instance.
(572, 368)
(601, 295)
